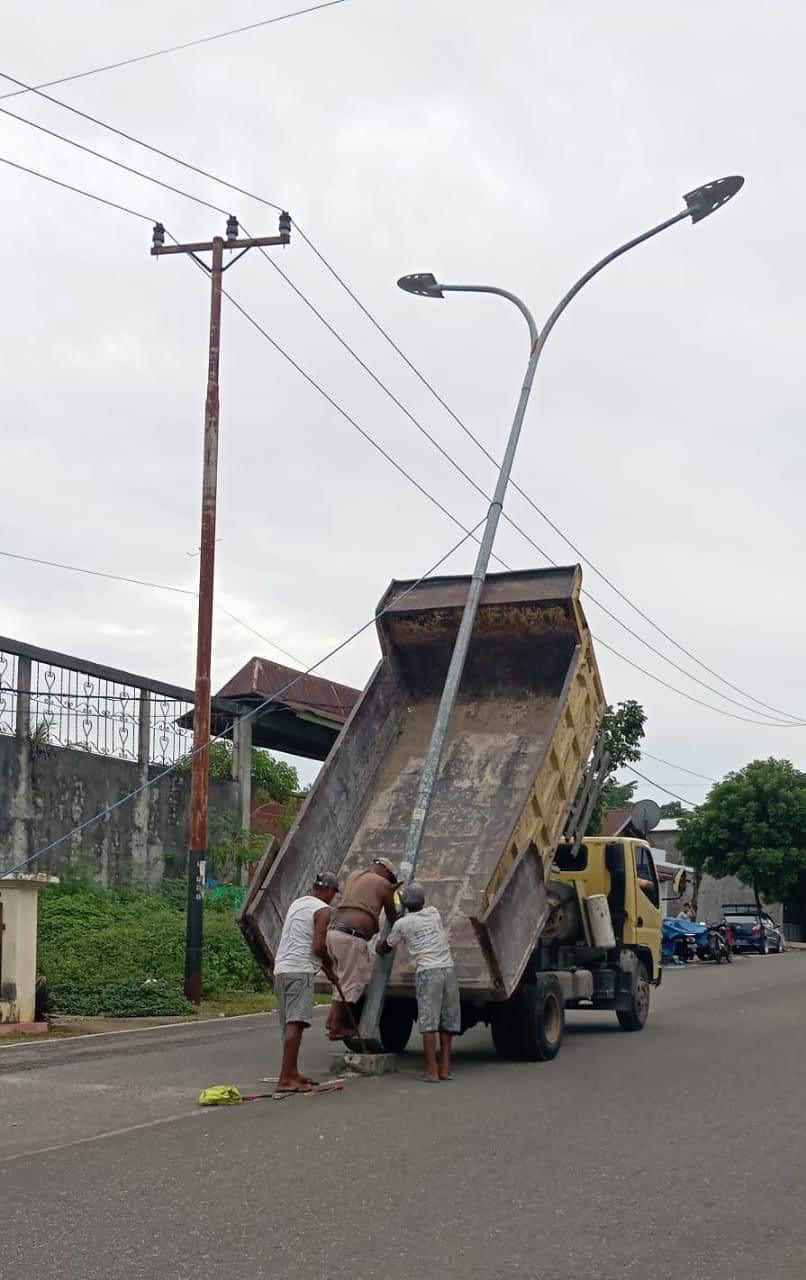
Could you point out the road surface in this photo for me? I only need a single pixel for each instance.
(678, 1152)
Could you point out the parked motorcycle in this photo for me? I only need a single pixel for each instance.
(712, 944)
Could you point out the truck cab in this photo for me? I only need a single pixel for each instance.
(622, 871)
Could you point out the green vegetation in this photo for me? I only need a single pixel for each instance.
(753, 825)
(272, 779)
(623, 728)
(122, 953)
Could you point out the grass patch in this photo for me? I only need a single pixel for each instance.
(121, 953)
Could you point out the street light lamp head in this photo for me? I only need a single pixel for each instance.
(706, 199)
(422, 283)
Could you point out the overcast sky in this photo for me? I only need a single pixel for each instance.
(512, 145)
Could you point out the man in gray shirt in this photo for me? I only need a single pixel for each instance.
(438, 1008)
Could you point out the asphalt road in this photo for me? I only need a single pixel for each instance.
(678, 1152)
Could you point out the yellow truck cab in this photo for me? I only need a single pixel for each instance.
(607, 918)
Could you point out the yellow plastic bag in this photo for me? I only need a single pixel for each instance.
(220, 1095)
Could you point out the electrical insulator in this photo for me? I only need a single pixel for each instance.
(158, 236)
(232, 227)
(285, 223)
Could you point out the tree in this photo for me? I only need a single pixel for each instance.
(617, 795)
(673, 809)
(272, 779)
(753, 826)
(623, 729)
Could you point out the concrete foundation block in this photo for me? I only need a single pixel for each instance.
(365, 1064)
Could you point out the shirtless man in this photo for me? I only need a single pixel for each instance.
(366, 894)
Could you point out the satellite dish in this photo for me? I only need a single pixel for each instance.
(645, 816)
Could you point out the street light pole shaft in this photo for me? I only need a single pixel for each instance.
(199, 784)
(376, 991)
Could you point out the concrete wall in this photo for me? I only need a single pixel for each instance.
(713, 894)
(44, 795)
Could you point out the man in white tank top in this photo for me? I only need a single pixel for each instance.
(301, 952)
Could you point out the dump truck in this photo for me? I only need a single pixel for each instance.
(540, 919)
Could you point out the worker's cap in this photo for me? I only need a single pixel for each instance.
(413, 895)
(326, 880)
(388, 865)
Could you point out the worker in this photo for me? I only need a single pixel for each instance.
(687, 912)
(366, 894)
(301, 952)
(438, 1008)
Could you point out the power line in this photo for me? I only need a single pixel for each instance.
(767, 724)
(479, 444)
(431, 498)
(791, 723)
(658, 787)
(176, 48)
(157, 586)
(440, 401)
(79, 191)
(248, 715)
(100, 155)
(380, 383)
(370, 439)
(659, 760)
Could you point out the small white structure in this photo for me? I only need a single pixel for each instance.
(18, 911)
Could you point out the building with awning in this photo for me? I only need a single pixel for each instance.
(303, 715)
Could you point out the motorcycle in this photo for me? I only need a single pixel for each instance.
(712, 944)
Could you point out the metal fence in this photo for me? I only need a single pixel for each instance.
(60, 701)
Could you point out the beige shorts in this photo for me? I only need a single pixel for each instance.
(353, 960)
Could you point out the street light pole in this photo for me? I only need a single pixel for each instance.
(200, 769)
(699, 203)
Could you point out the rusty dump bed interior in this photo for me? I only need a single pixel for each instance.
(528, 712)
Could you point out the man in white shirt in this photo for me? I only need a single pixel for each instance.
(301, 952)
(438, 1008)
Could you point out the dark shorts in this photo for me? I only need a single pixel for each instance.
(294, 993)
(438, 1001)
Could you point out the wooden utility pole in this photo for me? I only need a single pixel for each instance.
(199, 785)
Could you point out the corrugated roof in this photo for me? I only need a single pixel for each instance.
(262, 678)
(614, 821)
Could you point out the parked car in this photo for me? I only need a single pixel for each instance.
(753, 930)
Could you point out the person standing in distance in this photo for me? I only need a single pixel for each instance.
(301, 952)
(438, 1008)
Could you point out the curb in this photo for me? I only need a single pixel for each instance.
(78, 1034)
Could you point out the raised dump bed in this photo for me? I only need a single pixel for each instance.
(528, 712)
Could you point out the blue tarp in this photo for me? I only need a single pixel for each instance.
(674, 929)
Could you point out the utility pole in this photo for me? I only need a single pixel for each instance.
(199, 784)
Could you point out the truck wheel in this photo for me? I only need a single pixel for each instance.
(542, 1019)
(634, 1018)
(397, 1021)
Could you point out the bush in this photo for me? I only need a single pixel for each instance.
(97, 946)
(121, 998)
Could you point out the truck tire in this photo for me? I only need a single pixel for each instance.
(542, 1019)
(634, 1018)
(397, 1022)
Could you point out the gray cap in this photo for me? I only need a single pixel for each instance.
(326, 880)
(412, 895)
